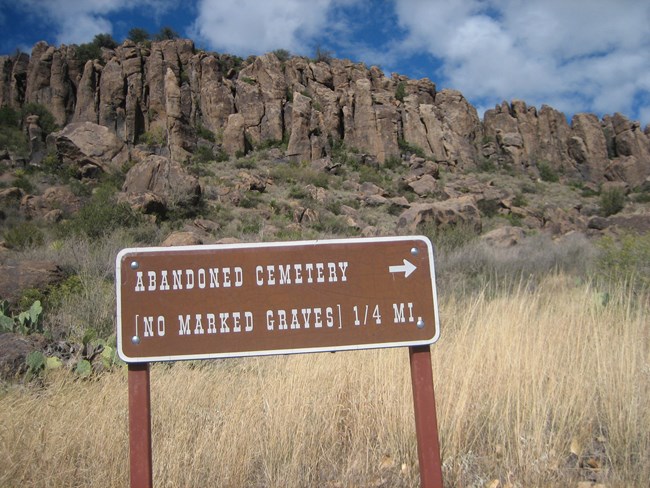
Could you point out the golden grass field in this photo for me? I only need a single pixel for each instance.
(546, 386)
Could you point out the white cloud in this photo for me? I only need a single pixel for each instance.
(588, 55)
(79, 21)
(254, 27)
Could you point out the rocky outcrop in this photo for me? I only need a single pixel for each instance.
(15, 277)
(448, 213)
(158, 183)
(89, 148)
(14, 349)
(172, 88)
(521, 137)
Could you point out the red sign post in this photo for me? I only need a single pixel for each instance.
(205, 302)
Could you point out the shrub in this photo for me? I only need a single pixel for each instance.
(205, 133)
(409, 148)
(156, 137)
(14, 140)
(626, 259)
(368, 174)
(322, 55)
(93, 50)
(400, 91)
(105, 40)
(202, 155)
(87, 52)
(486, 165)
(519, 200)
(393, 162)
(272, 143)
(138, 35)
(45, 118)
(9, 117)
(612, 201)
(101, 215)
(547, 173)
(488, 207)
(166, 33)
(246, 163)
(282, 55)
(250, 200)
(449, 238)
(24, 236)
(298, 192)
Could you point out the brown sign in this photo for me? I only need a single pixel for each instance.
(200, 302)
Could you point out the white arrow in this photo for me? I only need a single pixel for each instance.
(407, 268)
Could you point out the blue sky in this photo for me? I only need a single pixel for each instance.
(574, 55)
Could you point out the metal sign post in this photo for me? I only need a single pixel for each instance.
(140, 459)
(426, 422)
(237, 300)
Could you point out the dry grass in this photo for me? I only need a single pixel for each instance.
(541, 388)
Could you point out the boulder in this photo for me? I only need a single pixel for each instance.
(58, 198)
(507, 236)
(182, 238)
(165, 179)
(14, 349)
(452, 212)
(17, 276)
(85, 143)
(11, 197)
(425, 185)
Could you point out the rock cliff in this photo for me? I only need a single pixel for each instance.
(172, 87)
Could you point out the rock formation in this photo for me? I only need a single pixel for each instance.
(172, 87)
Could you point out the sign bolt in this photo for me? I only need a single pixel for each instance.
(415, 251)
(135, 340)
(420, 323)
(135, 265)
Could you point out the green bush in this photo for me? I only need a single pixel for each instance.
(93, 50)
(24, 236)
(202, 155)
(9, 117)
(88, 52)
(46, 120)
(166, 33)
(11, 137)
(282, 54)
(250, 200)
(449, 238)
(246, 163)
(205, 133)
(101, 215)
(612, 201)
(409, 148)
(322, 55)
(156, 137)
(298, 192)
(138, 35)
(488, 207)
(547, 173)
(487, 165)
(519, 200)
(626, 259)
(400, 91)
